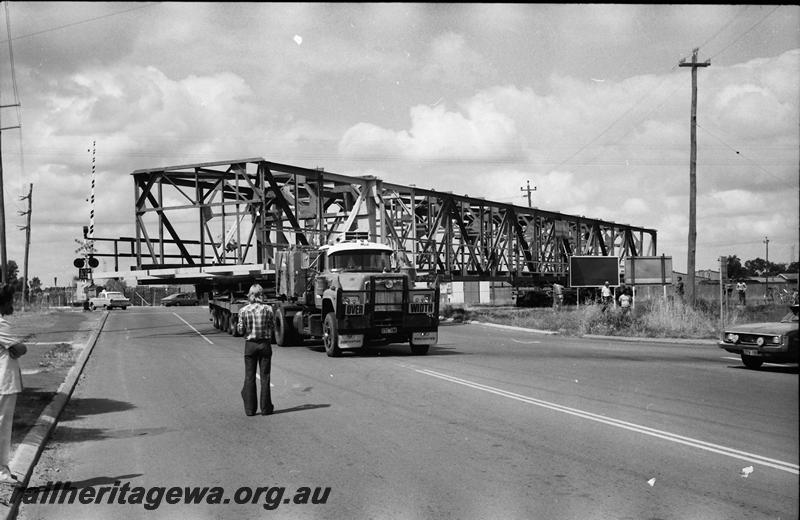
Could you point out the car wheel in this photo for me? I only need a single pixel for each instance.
(330, 336)
(752, 361)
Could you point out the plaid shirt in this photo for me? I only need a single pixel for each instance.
(255, 321)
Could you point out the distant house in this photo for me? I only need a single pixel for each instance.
(707, 275)
(772, 280)
(790, 278)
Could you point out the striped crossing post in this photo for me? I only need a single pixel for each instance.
(91, 199)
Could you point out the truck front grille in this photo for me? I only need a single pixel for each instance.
(388, 301)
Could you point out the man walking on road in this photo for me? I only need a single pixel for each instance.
(10, 382)
(255, 324)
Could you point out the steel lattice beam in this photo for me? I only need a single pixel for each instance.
(240, 212)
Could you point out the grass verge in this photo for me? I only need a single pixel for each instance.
(649, 319)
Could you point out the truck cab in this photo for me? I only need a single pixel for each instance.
(350, 295)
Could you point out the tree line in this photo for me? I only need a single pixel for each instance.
(758, 267)
(13, 279)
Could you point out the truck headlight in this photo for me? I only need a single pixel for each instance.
(352, 299)
(421, 298)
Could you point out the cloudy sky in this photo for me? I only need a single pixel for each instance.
(586, 102)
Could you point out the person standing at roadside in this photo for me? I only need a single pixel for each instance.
(255, 324)
(10, 382)
(605, 293)
(558, 296)
(741, 288)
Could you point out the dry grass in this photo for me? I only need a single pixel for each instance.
(654, 319)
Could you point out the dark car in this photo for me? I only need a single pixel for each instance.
(543, 297)
(179, 299)
(758, 343)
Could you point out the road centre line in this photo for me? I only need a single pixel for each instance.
(688, 441)
(194, 329)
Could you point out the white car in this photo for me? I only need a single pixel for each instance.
(109, 300)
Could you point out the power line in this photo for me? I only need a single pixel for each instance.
(15, 89)
(746, 32)
(737, 15)
(738, 153)
(80, 22)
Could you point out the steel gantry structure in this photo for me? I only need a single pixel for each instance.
(232, 216)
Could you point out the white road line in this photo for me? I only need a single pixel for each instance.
(688, 441)
(47, 342)
(525, 342)
(194, 329)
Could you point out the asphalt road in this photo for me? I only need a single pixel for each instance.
(493, 423)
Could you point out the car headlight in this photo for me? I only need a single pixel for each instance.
(777, 340)
(731, 338)
(352, 299)
(760, 341)
(421, 298)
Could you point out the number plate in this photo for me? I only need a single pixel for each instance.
(389, 330)
(750, 352)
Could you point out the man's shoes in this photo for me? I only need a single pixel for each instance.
(267, 412)
(249, 414)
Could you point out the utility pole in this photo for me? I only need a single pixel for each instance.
(27, 228)
(690, 263)
(529, 190)
(3, 251)
(766, 289)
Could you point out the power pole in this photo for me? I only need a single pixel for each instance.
(27, 228)
(3, 251)
(529, 190)
(766, 289)
(690, 263)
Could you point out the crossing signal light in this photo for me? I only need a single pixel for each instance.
(93, 262)
(78, 262)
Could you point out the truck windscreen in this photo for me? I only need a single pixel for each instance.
(374, 261)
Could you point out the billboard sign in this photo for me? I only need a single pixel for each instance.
(648, 270)
(593, 271)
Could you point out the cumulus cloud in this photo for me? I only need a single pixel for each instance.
(478, 133)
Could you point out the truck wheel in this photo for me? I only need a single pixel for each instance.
(92, 307)
(232, 325)
(284, 331)
(419, 350)
(226, 321)
(752, 361)
(330, 336)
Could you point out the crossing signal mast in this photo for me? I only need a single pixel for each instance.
(87, 261)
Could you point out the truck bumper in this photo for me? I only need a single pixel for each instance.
(424, 338)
